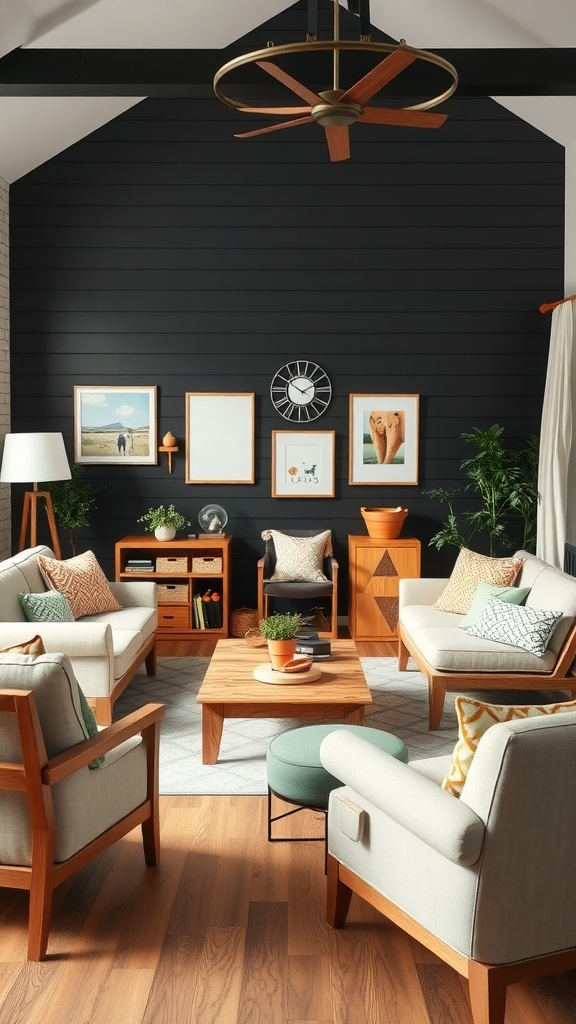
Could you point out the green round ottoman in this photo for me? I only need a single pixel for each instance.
(295, 773)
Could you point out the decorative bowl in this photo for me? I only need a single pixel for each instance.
(384, 523)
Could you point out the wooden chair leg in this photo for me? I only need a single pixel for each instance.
(150, 662)
(41, 892)
(487, 986)
(436, 697)
(151, 825)
(403, 655)
(338, 895)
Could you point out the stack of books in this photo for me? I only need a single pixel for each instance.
(139, 565)
(207, 611)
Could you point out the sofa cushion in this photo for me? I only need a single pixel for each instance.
(484, 591)
(471, 569)
(82, 582)
(51, 606)
(528, 628)
(474, 718)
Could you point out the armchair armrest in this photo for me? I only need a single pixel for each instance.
(412, 800)
(76, 757)
(421, 590)
(76, 639)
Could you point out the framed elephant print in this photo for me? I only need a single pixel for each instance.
(383, 439)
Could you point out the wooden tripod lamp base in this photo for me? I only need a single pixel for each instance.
(30, 516)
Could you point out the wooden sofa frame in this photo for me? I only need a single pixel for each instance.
(442, 681)
(34, 777)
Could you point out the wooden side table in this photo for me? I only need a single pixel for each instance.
(374, 568)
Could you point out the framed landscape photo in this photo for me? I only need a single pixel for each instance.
(219, 437)
(383, 439)
(303, 463)
(115, 424)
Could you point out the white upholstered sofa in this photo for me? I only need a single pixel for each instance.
(105, 649)
(451, 659)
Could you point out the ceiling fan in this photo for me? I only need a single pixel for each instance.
(336, 108)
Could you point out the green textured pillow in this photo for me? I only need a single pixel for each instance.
(50, 606)
(484, 591)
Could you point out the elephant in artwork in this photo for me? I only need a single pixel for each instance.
(387, 433)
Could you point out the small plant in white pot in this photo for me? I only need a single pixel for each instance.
(280, 631)
(163, 522)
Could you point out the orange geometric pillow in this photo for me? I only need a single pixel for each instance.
(82, 582)
(469, 570)
(474, 719)
(33, 646)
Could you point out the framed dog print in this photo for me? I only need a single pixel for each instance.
(383, 439)
(115, 424)
(303, 463)
(219, 438)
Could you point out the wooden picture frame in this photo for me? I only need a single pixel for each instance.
(303, 463)
(219, 437)
(115, 425)
(383, 439)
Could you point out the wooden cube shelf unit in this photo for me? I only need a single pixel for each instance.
(375, 567)
(182, 569)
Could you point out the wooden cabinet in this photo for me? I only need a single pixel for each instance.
(374, 567)
(182, 569)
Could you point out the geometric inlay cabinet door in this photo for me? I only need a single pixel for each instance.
(374, 569)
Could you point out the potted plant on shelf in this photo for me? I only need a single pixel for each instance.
(163, 522)
(280, 631)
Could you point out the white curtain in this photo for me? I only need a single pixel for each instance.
(557, 507)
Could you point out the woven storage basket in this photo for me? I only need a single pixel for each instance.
(243, 619)
(172, 593)
(207, 566)
(174, 564)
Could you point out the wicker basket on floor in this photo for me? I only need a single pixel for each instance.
(243, 619)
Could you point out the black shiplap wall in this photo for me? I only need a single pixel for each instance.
(160, 250)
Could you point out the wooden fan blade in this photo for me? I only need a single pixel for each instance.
(338, 140)
(275, 110)
(408, 118)
(282, 76)
(274, 127)
(379, 76)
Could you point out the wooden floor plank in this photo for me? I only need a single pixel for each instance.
(263, 991)
(217, 994)
(308, 988)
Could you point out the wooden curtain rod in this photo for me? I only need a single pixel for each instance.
(547, 306)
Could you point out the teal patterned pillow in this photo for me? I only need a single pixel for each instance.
(529, 628)
(50, 606)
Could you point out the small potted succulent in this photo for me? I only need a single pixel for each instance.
(280, 631)
(163, 522)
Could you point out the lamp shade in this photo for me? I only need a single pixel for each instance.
(29, 458)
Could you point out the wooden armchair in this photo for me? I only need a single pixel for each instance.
(58, 812)
(296, 578)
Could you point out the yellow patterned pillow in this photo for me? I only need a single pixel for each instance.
(82, 582)
(474, 718)
(471, 569)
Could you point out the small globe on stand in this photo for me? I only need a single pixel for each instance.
(213, 519)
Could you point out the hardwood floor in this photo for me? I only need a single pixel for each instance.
(230, 929)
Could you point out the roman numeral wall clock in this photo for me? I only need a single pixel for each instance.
(301, 391)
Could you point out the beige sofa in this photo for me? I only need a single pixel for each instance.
(105, 649)
(453, 660)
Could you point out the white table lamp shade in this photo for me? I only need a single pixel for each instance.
(34, 457)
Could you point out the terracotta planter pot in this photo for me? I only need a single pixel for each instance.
(281, 651)
(384, 523)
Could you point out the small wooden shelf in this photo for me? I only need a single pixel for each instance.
(374, 570)
(170, 450)
(176, 618)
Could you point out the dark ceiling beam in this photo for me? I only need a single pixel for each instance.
(186, 73)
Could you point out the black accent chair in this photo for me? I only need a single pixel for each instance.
(300, 589)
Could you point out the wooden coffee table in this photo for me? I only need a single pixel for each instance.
(229, 690)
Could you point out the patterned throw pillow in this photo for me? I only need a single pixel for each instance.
(299, 558)
(528, 628)
(471, 569)
(49, 607)
(82, 582)
(484, 591)
(33, 646)
(474, 719)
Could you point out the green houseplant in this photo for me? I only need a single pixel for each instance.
(163, 521)
(280, 631)
(74, 502)
(503, 482)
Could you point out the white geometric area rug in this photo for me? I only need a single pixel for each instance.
(400, 706)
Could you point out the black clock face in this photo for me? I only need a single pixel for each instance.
(301, 391)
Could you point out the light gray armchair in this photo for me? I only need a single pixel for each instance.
(57, 811)
(485, 881)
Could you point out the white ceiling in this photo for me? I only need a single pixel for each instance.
(33, 129)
